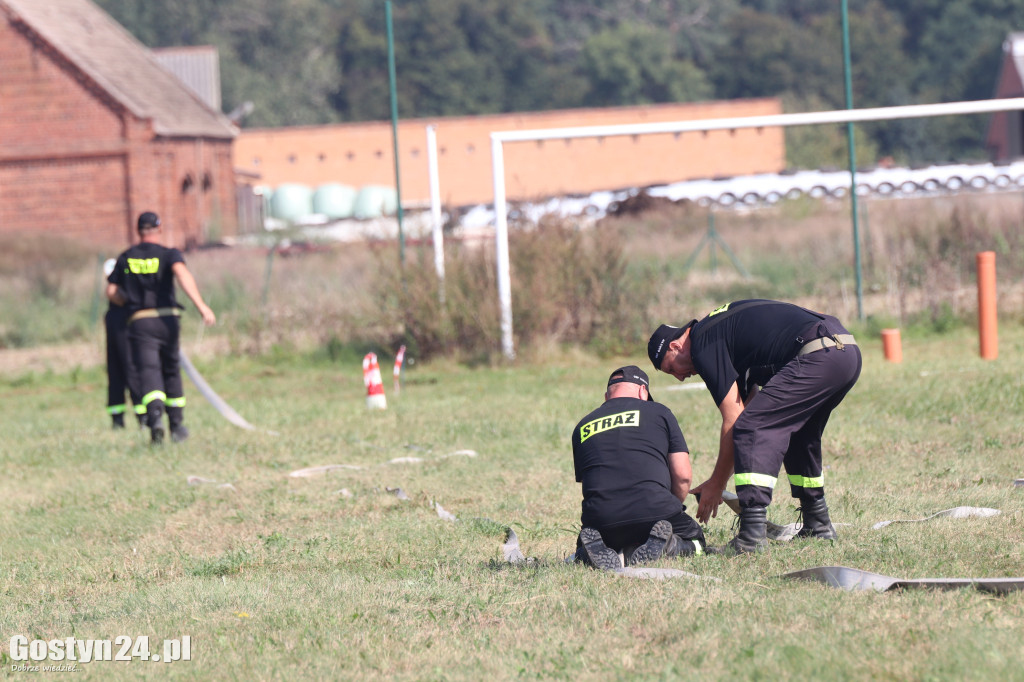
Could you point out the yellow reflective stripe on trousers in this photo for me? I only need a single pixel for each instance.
(697, 547)
(140, 409)
(116, 409)
(153, 395)
(807, 482)
(763, 480)
(175, 402)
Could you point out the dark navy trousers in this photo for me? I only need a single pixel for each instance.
(120, 372)
(784, 422)
(154, 345)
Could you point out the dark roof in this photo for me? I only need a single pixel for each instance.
(197, 66)
(109, 55)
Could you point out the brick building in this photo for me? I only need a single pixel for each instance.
(359, 154)
(93, 131)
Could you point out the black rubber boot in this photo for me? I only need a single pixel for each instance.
(753, 533)
(176, 417)
(591, 550)
(117, 421)
(816, 523)
(155, 421)
(659, 542)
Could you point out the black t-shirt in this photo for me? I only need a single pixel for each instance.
(620, 452)
(750, 342)
(144, 273)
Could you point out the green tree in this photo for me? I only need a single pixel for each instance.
(317, 61)
(362, 89)
(454, 57)
(634, 64)
(767, 56)
(279, 55)
(825, 146)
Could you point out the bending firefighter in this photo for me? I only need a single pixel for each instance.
(143, 282)
(804, 363)
(631, 458)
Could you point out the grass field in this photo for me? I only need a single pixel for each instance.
(333, 577)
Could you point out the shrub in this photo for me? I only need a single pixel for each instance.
(569, 286)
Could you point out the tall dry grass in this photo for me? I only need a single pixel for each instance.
(596, 287)
(918, 256)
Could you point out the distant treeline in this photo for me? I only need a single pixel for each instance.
(323, 61)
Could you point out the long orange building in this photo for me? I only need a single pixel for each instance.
(360, 154)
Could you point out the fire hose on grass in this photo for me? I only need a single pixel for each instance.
(211, 396)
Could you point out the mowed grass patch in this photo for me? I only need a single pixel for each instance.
(335, 577)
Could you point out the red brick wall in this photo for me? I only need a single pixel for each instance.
(74, 162)
(63, 197)
(1002, 142)
(46, 115)
(190, 184)
(359, 154)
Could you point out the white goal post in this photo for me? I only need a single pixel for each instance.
(498, 139)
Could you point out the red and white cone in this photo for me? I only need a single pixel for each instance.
(398, 369)
(375, 399)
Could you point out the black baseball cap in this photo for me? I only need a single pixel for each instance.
(148, 220)
(633, 375)
(664, 335)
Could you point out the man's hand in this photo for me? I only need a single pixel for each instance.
(709, 496)
(209, 319)
(116, 294)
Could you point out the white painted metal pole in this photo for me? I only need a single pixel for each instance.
(435, 208)
(777, 120)
(501, 248)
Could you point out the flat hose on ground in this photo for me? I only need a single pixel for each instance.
(211, 396)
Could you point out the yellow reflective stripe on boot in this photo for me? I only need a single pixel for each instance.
(153, 395)
(697, 547)
(763, 480)
(116, 409)
(807, 482)
(175, 402)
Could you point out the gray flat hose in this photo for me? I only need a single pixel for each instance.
(855, 579)
(510, 549)
(218, 403)
(954, 513)
(660, 574)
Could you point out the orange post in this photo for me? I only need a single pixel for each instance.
(988, 334)
(891, 346)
